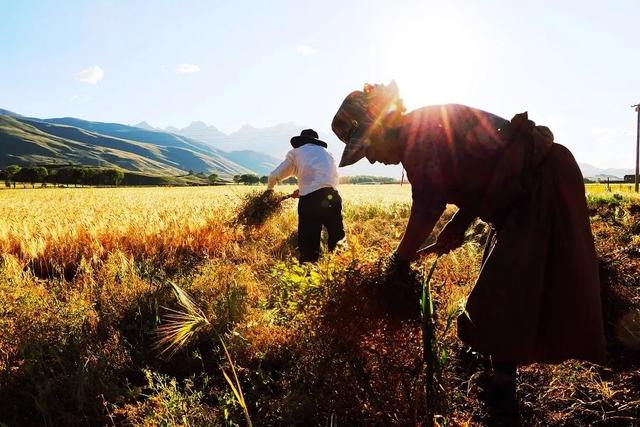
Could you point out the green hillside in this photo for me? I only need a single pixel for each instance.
(187, 153)
(94, 139)
(203, 143)
(24, 144)
(26, 141)
(136, 178)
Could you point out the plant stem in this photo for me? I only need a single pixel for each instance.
(429, 350)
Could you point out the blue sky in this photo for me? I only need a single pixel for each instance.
(574, 65)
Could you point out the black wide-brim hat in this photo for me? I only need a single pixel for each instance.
(307, 136)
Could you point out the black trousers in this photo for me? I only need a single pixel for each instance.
(322, 207)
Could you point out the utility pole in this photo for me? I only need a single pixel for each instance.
(637, 107)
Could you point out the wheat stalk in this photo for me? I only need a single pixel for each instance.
(181, 326)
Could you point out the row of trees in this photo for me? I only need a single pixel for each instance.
(253, 179)
(68, 175)
(15, 173)
(86, 176)
(366, 179)
(78, 175)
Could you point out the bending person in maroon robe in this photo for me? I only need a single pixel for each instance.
(537, 298)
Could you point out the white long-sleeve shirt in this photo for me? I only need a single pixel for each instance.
(311, 164)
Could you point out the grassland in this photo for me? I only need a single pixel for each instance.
(85, 282)
(622, 189)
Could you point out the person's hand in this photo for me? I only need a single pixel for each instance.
(394, 265)
(296, 194)
(447, 242)
(400, 287)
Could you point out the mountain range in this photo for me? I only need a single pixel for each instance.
(26, 140)
(590, 171)
(248, 138)
(274, 140)
(171, 151)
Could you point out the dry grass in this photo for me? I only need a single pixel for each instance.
(256, 208)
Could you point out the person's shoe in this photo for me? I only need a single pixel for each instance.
(500, 400)
(341, 245)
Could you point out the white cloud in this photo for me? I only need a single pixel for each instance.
(91, 75)
(306, 50)
(187, 69)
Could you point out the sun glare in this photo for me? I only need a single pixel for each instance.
(433, 60)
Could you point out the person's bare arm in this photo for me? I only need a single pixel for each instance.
(420, 225)
(452, 235)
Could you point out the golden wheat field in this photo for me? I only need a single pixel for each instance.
(91, 277)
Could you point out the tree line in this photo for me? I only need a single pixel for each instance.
(66, 175)
(81, 175)
(84, 175)
(367, 179)
(253, 179)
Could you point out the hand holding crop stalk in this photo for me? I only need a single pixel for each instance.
(397, 269)
(319, 202)
(452, 235)
(400, 285)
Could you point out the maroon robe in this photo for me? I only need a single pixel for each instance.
(537, 298)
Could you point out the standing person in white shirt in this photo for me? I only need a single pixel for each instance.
(320, 203)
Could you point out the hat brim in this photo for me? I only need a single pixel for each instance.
(355, 150)
(300, 140)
